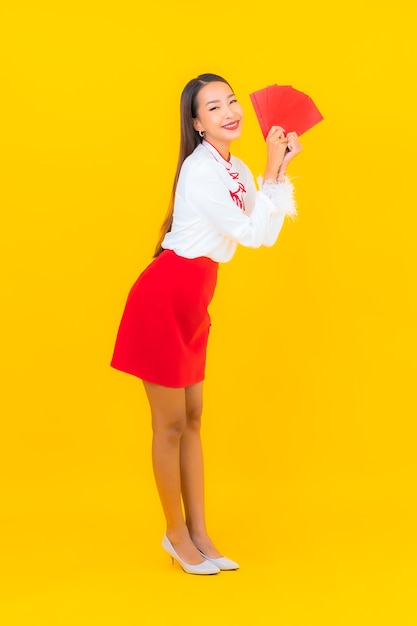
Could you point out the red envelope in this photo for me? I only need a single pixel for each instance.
(260, 104)
(283, 105)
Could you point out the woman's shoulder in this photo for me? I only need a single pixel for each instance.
(201, 162)
(199, 155)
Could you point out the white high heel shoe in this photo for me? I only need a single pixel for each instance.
(205, 568)
(224, 564)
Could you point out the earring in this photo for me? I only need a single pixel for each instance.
(202, 133)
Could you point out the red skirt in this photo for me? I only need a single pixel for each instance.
(163, 333)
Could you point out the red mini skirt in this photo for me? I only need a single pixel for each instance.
(163, 333)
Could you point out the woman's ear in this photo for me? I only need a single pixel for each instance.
(197, 125)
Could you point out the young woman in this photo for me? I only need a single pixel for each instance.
(163, 333)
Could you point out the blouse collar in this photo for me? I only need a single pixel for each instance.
(226, 162)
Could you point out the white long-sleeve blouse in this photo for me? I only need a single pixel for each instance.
(217, 206)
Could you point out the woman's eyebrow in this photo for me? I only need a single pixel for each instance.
(214, 101)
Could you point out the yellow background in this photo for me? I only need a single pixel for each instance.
(309, 424)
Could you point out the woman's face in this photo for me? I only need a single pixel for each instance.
(219, 115)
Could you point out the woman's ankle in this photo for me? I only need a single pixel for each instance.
(203, 543)
(197, 532)
(178, 533)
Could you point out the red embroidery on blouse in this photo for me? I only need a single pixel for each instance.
(237, 194)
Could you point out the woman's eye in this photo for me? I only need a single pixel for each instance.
(233, 101)
(213, 108)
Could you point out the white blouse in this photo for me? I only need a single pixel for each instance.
(217, 207)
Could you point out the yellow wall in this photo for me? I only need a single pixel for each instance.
(310, 392)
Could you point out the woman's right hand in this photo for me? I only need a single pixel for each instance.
(276, 146)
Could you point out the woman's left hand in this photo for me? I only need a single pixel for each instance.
(294, 147)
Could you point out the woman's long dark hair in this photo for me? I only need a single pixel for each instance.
(190, 138)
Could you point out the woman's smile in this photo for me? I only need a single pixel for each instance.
(232, 125)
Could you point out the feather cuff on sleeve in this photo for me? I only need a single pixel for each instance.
(280, 194)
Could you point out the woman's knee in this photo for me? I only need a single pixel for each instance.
(194, 416)
(168, 409)
(171, 427)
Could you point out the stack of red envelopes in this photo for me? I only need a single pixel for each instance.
(282, 105)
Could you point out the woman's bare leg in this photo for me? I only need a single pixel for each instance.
(168, 408)
(192, 472)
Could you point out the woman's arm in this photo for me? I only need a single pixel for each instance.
(208, 193)
(281, 196)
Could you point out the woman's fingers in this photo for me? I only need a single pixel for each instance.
(294, 147)
(276, 132)
(293, 142)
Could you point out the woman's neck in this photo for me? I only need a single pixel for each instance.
(222, 148)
